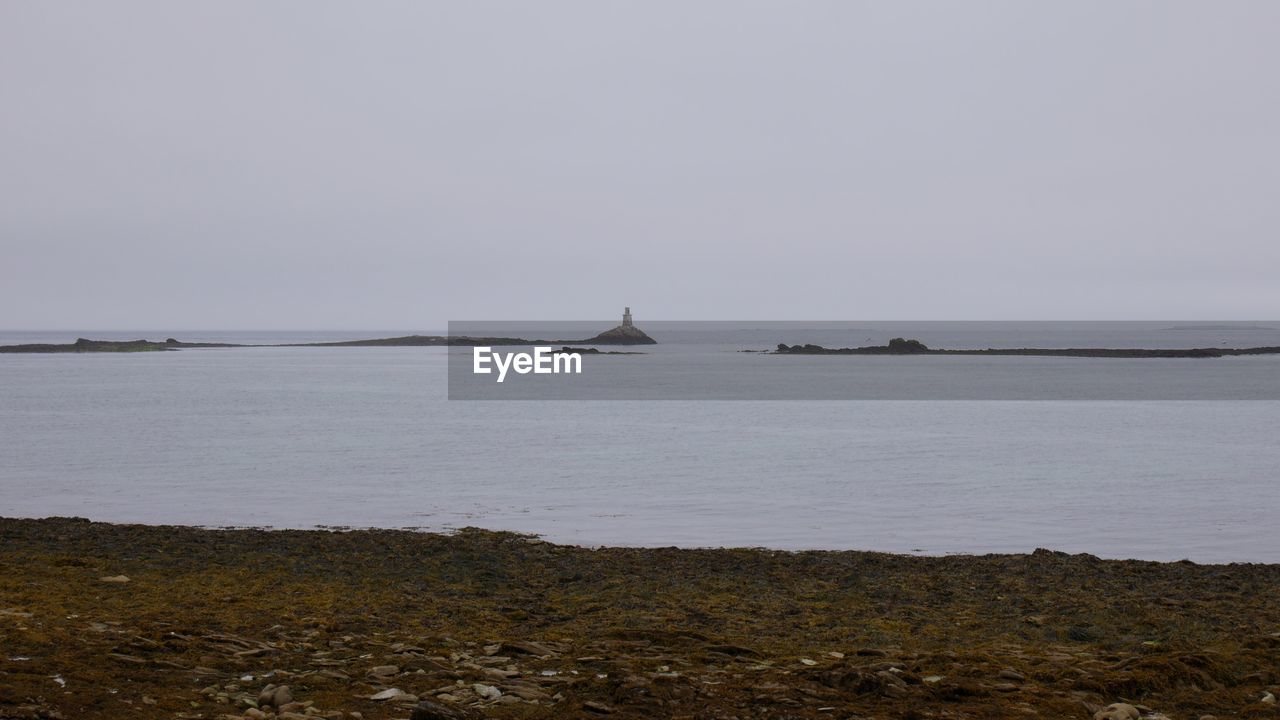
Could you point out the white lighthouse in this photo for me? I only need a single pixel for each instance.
(626, 317)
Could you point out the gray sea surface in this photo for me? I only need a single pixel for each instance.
(355, 437)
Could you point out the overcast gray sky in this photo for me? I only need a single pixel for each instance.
(400, 164)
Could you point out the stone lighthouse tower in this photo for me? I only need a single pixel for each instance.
(625, 334)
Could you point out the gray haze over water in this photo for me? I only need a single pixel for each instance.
(397, 164)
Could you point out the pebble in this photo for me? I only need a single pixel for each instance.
(1006, 687)
(1268, 698)
(275, 696)
(255, 714)
(895, 691)
(488, 692)
(807, 661)
(528, 648)
(384, 670)
(427, 710)
(119, 579)
(388, 694)
(1117, 711)
(524, 692)
(1010, 674)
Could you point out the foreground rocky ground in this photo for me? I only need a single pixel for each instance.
(116, 621)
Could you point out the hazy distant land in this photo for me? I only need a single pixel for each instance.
(632, 336)
(84, 345)
(902, 346)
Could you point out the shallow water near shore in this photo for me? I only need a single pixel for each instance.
(300, 437)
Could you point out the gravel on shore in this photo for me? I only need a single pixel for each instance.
(131, 621)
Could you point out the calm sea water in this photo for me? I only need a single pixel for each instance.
(300, 437)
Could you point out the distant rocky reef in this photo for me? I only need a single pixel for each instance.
(896, 346)
(83, 345)
(422, 341)
(616, 336)
(624, 334)
(566, 350)
(902, 346)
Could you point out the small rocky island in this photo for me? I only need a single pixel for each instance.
(82, 345)
(625, 334)
(903, 346)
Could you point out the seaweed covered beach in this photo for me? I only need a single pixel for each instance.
(129, 621)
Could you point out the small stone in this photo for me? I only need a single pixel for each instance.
(1268, 698)
(487, 692)
(1117, 711)
(734, 650)
(527, 648)
(807, 661)
(384, 670)
(427, 710)
(596, 706)
(1010, 674)
(275, 696)
(117, 579)
(388, 694)
(255, 714)
(895, 691)
(527, 693)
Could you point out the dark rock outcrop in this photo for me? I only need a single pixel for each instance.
(902, 346)
(620, 335)
(896, 346)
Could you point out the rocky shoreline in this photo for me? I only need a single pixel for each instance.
(128, 621)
